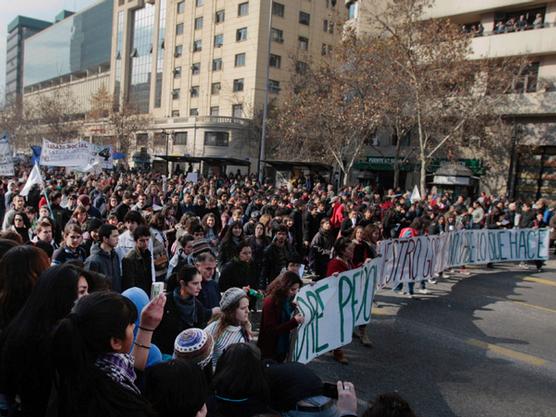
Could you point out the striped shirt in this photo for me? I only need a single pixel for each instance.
(230, 335)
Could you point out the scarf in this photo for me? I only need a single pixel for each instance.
(119, 368)
(186, 308)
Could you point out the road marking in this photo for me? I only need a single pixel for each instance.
(540, 281)
(512, 354)
(382, 312)
(523, 303)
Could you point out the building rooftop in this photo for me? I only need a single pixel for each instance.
(62, 15)
(28, 22)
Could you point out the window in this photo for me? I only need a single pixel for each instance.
(327, 26)
(178, 51)
(330, 4)
(194, 91)
(303, 43)
(196, 68)
(301, 67)
(241, 34)
(278, 9)
(239, 60)
(215, 88)
(218, 40)
(175, 113)
(177, 72)
(527, 80)
(325, 49)
(219, 17)
(237, 110)
(275, 61)
(304, 18)
(353, 10)
(180, 138)
(273, 86)
(179, 29)
(277, 35)
(243, 9)
(180, 7)
(198, 23)
(176, 93)
(238, 85)
(214, 111)
(197, 45)
(217, 64)
(199, 3)
(193, 112)
(217, 138)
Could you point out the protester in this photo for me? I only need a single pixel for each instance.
(20, 268)
(104, 258)
(232, 325)
(137, 264)
(70, 249)
(279, 317)
(239, 271)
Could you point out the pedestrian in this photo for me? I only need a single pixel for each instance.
(104, 258)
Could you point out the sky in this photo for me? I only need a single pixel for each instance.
(38, 9)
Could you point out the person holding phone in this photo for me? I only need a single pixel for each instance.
(279, 317)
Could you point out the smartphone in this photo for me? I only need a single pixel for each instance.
(156, 289)
(330, 390)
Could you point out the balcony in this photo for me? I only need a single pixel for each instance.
(446, 8)
(201, 121)
(531, 104)
(530, 42)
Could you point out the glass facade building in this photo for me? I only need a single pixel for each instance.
(79, 43)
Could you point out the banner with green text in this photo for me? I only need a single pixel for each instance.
(332, 308)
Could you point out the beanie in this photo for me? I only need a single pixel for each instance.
(194, 345)
(231, 296)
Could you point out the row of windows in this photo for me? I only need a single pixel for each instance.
(237, 112)
(242, 9)
(180, 138)
(238, 86)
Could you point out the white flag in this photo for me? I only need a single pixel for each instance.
(35, 177)
(415, 195)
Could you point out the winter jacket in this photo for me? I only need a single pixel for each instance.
(107, 264)
(137, 271)
(238, 274)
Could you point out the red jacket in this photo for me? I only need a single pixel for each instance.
(272, 327)
(336, 265)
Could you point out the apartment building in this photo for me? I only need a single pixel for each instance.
(501, 28)
(199, 67)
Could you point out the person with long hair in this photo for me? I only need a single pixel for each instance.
(240, 271)
(279, 317)
(20, 268)
(240, 386)
(80, 216)
(229, 247)
(232, 325)
(211, 228)
(71, 249)
(24, 368)
(20, 226)
(90, 351)
(259, 242)
(183, 309)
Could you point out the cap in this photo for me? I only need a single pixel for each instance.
(84, 199)
(231, 296)
(195, 345)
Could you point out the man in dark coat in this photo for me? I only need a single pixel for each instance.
(136, 265)
(104, 258)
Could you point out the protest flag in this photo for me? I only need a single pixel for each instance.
(415, 195)
(35, 177)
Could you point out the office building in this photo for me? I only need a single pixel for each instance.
(199, 67)
(503, 28)
(19, 29)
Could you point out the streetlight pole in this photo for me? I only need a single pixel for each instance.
(265, 106)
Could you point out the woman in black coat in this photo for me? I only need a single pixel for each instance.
(240, 271)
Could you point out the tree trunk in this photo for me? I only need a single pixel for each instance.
(423, 173)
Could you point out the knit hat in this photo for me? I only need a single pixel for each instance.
(231, 296)
(194, 345)
(84, 199)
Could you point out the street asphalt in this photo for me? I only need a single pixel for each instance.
(482, 344)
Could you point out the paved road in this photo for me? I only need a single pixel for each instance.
(479, 345)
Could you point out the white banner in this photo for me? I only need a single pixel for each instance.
(102, 154)
(6, 158)
(419, 258)
(332, 308)
(70, 154)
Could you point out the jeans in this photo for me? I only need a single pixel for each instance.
(317, 401)
(410, 286)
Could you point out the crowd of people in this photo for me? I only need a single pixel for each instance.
(80, 259)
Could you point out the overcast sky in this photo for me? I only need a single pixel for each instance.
(38, 9)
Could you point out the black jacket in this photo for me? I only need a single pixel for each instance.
(238, 274)
(275, 258)
(319, 253)
(137, 270)
(172, 324)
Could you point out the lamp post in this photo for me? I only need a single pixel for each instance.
(265, 106)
